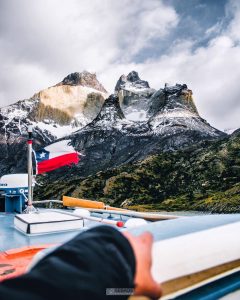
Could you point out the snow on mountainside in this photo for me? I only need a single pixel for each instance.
(79, 95)
(134, 94)
(131, 82)
(59, 110)
(130, 125)
(230, 130)
(111, 139)
(110, 117)
(54, 113)
(15, 118)
(172, 110)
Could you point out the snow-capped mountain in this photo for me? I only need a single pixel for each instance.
(173, 110)
(230, 130)
(57, 110)
(79, 95)
(131, 82)
(134, 94)
(130, 125)
(54, 113)
(111, 139)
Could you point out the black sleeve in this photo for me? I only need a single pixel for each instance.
(98, 259)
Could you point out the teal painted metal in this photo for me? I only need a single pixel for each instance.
(15, 198)
(214, 290)
(10, 238)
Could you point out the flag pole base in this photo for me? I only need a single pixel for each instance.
(30, 210)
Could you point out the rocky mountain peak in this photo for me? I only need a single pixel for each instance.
(131, 124)
(172, 111)
(77, 99)
(177, 97)
(131, 82)
(110, 112)
(84, 78)
(133, 76)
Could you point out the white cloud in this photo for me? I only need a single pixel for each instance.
(43, 41)
(212, 72)
(146, 21)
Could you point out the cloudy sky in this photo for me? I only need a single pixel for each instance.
(186, 41)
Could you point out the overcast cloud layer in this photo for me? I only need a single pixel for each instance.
(165, 41)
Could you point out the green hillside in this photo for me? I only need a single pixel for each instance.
(204, 177)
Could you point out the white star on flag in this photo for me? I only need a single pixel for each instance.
(42, 155)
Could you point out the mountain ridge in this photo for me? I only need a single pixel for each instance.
(111, 138)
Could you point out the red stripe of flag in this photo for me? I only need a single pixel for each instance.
(57, 162)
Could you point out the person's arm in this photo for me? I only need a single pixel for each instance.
(144, 282)
(83, 268)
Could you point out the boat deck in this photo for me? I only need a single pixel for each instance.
(10, 238)
(181, 242)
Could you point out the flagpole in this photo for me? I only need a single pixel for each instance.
(29, 165)
(30, 208)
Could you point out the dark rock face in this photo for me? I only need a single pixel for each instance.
(172, 111)
(172, 97)
(110, 113)
(85, 79)
(121, 81)
(134, 94)
(133, 77)
(132, 80)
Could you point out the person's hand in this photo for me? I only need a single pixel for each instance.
(145, 285)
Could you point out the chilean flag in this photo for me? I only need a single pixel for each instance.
(56, 156)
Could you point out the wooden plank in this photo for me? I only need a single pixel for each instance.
(184, 261)
(70, 201)
(134, 214)
(191, 253)
(182, 285)
(98, 206)
(186, 281)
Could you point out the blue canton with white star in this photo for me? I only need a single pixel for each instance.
(42, 155)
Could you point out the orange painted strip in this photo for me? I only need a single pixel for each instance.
(84, 203)
(14, 262)
(70, 201)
